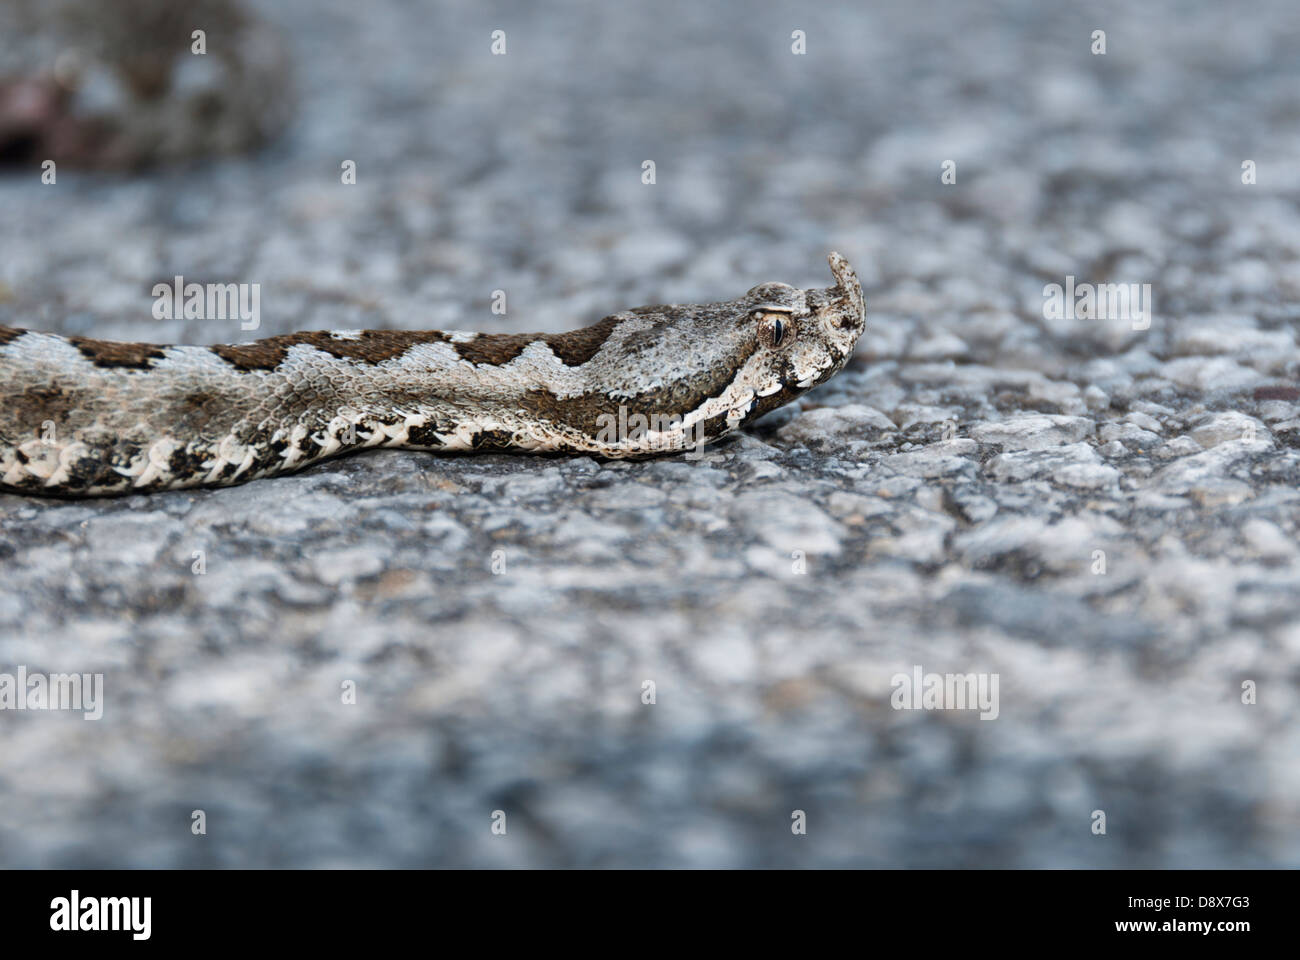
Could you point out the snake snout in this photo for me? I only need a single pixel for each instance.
(848, 290)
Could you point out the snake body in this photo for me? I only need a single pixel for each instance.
(86, 417)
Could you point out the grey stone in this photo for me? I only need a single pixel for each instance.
(1267, 541)
(1179, 446)
(1033, 432)
(936, 460)
(1129, 433)
(851, 420)
(1229, 427)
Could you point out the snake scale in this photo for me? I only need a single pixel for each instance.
(83, 417)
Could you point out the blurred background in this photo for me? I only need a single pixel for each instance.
(522, 691)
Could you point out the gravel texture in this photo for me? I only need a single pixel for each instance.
(1103, 516)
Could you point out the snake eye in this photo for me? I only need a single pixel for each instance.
(772, 328)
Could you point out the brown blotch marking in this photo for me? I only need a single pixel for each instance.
(9, 334)
(259, 355)
(489, 440)
(37, 404)
(111, 353)
(578, 346)
(573, 348)
(582, 413)
(494, 349)
(370, 346)
(426, 435)
(375, 346)
(91, 472)
(186, 461)
(196, 410)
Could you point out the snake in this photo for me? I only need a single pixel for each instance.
(82, 417)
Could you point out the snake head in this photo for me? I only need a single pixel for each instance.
(803, 336)
(711, 367)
